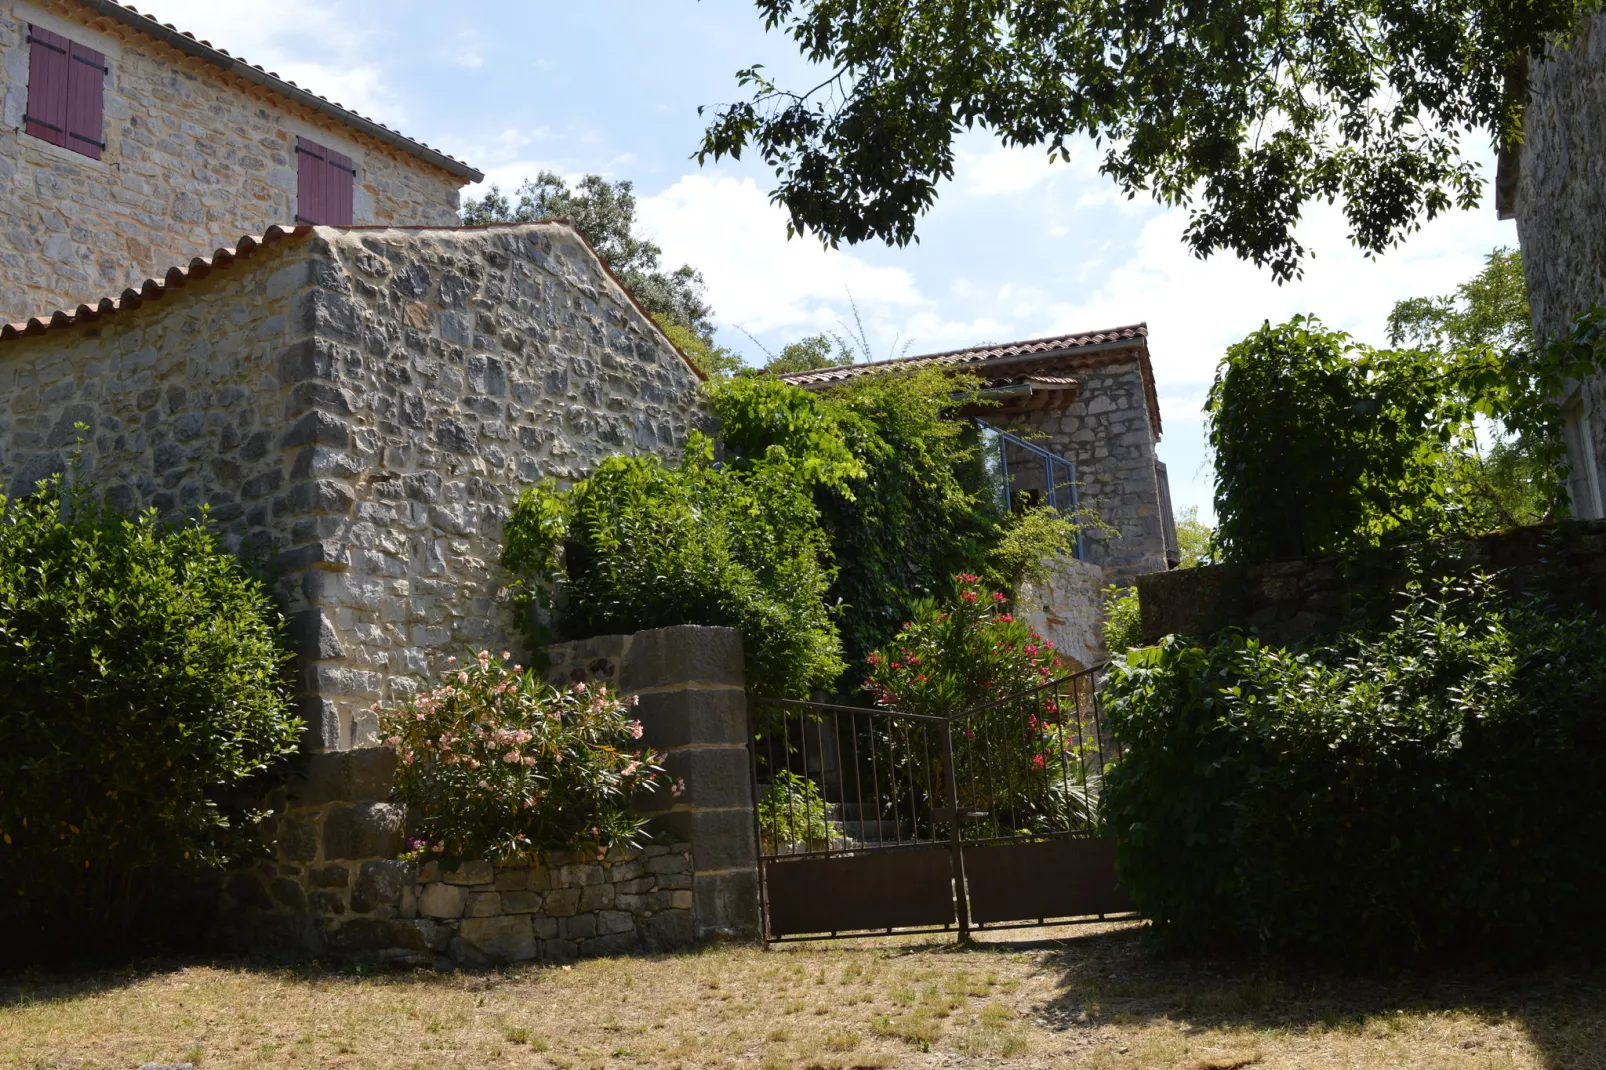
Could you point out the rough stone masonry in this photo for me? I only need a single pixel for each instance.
(357, 407)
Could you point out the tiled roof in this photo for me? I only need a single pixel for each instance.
(218, 57)
(1036, 360)
(980, 358)
(153, 289)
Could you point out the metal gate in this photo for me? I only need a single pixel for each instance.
(878, 820)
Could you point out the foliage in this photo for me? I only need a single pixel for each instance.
(142, 677)
(793, 814)
(1123, 622)
(945, 661)
(1243, 112)
(605, 215)
(1028, 546)
(1489, 310)
(809, 354)
(1433, 786)
(645, 545)
(899, 485)
(1194, 537)
(1322, 445)
(494, 764)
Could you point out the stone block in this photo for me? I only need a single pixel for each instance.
(298, 837)
(686, 653)
(614, 921)
(511, 880)
(312, 636)
(545, 927)
(520, 902)
(364, 775)
(364, 831)
(579, 874)
(693, 715)
(562, 902)
(610, 944)
(478, 872)
(326, 903)
(596, 896)
(483, 905)
(627, 871)
(675, 863)
(370, 934)
(442, 901)
(248, 890)
(380, 883)
(727, 903)
(715, 777)
(540, 879)
(578, 927)
(722, 839)
(289, 893)
(330, 876)
(501, 939)
(559, 951)
(667, 930)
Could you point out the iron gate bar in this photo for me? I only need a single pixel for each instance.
(1036, 841)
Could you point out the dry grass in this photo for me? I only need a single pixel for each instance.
(1089, 998)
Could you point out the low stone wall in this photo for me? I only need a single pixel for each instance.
(334, 885)
(1290, 601)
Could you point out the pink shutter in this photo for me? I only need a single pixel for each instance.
(342, 174)
(48, 64)
(86, 92)
(311, 171)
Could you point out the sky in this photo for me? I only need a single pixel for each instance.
(1015, 248)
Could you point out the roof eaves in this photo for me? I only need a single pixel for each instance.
(217, 57)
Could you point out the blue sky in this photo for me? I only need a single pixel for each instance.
(1015, 248)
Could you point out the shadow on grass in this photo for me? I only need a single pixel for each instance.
(1124, 978)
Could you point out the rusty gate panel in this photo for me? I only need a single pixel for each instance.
(1060, 878)
(910, 888)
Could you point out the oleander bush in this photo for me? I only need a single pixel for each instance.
(495, 764)
(1433, 786)
(142, 677)
(793, 815)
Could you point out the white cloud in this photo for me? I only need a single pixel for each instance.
(757, 278)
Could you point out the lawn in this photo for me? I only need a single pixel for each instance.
(1093, 997)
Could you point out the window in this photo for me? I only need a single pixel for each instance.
(1583, 480)
(324, 181)
(66, 93)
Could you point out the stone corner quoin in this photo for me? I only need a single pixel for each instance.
(358, 408)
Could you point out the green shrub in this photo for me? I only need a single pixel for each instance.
(793, 814)
(141, 677)
(646, 545)
(1435, 786)
(1123, 620)
(495, 764)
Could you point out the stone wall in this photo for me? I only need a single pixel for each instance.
(333, 884)
(358, 407)
(1110, 435)
(1067, 607)
(194, 158)
(335, 887)
(1291, 601)
(693, 710)
(1560, 207)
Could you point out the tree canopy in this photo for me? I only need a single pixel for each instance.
(1242, 111)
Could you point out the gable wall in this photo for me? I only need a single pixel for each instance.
(194, 159)
(359, 408)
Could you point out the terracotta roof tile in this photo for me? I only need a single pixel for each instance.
(978, 357)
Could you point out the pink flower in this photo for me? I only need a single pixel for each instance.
(1030, 649)
(579, 685)
(1005, 618)
(452, 660)
(529, 761)
(1037, 760)
(678, 788)
(420, 717)
(512, 757)
(462, 677)
(998, 596)
(635, 700)
(635, 729)
(506, 654)
(631, 768)
(968, 596)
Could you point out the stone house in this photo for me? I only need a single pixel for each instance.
(1080, 419)
(127, 146)
(1554, 185)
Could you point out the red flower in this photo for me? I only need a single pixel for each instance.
(1037, 760)
(998, 596)
(969, 596)
(1005, 618)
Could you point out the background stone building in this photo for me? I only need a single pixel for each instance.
(1555, 186)
(127, 146)
(1085, 419)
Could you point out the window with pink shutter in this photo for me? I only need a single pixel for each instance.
(66, 93)
(325, 181)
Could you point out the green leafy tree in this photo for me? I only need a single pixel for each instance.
(1244, 112)
(809, 354)
(605, 215)
(143, 678)
(1193, 538)
(1323, 445)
